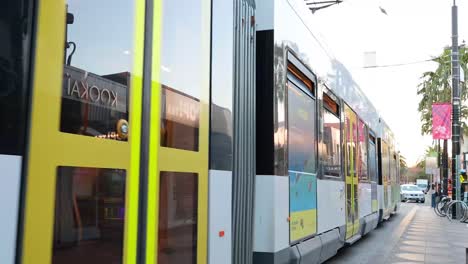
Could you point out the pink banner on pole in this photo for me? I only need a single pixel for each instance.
(441, 121)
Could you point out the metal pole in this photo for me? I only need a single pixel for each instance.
(455, 95)
(444, 184)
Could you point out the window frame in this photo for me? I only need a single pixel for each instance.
(291, 59)
(366, 143)
(372, 137)
(323, 107)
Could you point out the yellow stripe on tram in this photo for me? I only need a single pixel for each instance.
(153, 169)
(130, 242)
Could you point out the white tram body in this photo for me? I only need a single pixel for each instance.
(343, 210)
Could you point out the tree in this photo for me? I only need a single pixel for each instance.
(403, 169)
(435, 87)
(403, 163)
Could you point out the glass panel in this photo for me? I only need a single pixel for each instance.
(350, 129)
(349, 210)
(354, 146)
(99, 61)
(14, 61)
(180, 120)
(89, 215)
(178, 211)
(181, 73)
(331, 150)
(372, 162)
(301, 130)
(362, 136)
(347, 145)
(302, 163)
(391, 164)
(385, 162)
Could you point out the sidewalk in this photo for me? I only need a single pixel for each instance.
(431, 239)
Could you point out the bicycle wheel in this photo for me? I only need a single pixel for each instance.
(441, 207)
(436, 210)
(450, 210)
(465, 212)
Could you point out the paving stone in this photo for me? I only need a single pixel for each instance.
(414, 242)
(437, 251)
(413, 249)
(410, 256)
(438, 259)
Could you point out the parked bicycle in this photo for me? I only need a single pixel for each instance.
(446, 206)
(442, 205)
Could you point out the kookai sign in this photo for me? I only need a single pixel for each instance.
(93, 89)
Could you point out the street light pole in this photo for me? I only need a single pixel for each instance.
(455, 95)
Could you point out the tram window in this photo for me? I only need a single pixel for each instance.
(89, 215)
(350, 133)
(301, 130)
(180, 120)
(178, 203)
(331, 150)
(385, 162)
(362, 156)
(181, 73)
(14, 57)
(372, 160)
(98, 63)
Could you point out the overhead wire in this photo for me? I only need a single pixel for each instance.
(400, 64)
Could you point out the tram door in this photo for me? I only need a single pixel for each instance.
(82, 181)
(178, 188)
(352, 215)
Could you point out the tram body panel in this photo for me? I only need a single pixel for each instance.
(331, 205)
(365, 200)
(380, 195)
(271, 228)
(221, 134)
(9, 202)
(16, 32)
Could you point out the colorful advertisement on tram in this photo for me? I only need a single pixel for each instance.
(303, 204)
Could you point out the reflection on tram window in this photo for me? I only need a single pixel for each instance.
(372, 161)
(89, 215)
(14, 61)
(182, 60)
(331, 158)
(350, 133)
(385, 162)
(178, 198)
(301, 130)
(362, 157)
(98, 61)
(180, 120)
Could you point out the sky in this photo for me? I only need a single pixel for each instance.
(412, 30)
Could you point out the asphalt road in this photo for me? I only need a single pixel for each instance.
(376, 246)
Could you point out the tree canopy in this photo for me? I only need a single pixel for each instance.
(435, 87)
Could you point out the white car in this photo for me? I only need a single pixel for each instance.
(410, 192)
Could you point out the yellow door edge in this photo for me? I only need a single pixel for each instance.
(155, 123)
